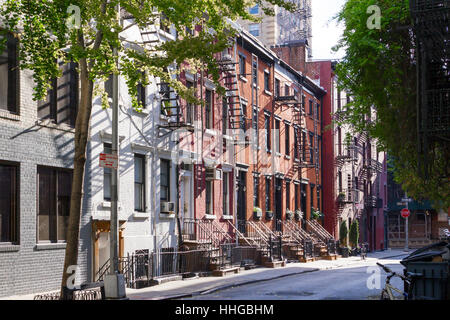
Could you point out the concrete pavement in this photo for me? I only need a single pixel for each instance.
(205, 285)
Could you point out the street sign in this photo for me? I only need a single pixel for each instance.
(401, 203)
(109, 160)
(405, 213)
(407, 200)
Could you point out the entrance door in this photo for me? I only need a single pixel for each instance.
(241, 203)
(185, 194)
(278, 204)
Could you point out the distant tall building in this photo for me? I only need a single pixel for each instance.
(284, 26)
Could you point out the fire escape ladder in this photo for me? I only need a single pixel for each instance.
(228, 66)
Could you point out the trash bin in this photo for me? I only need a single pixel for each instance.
(435, 282)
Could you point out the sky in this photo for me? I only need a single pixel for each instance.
(326, 33)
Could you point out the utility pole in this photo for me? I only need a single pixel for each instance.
(114, 282)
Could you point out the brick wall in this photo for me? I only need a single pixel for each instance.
(28, 266)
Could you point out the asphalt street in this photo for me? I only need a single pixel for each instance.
(347, 283)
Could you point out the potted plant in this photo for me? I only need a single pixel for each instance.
(298, 215)
(289, 214)
(315, 214)
(269, 215)
(353, 236)
(257, 213)
(343, 231)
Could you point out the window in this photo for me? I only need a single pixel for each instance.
(164, 23)
(339, 100)
(287, 144)
(268, 194)
(54, 189)
(255, 125)
(254, 29)
(141, 93)
(254, 9)
(9, 193)
(225, 124)
(277, 135)
(189, 106)
(277, 88)
(296, 195)
(286, 89)
(209, 197)
(318, 198)
(311, 147)
(226, 193)
(267, 80)
(255, 72)
(165, 99)
(303, 103)
(318, 111)
(139, 182)
(267, 127)
(255, 191)
(242, 65)
(243, 117)
(296, 143)
(310, 107)
(303, 199)
(304, 146)
(9, 76)
(61, 102)
(311, 196)
(165, 180)
(107, 175)
(208, 109)
(288, 195)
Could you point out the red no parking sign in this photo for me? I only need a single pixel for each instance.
(405, 213)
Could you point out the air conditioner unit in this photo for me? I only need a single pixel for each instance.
(167, 207)
(213, 174)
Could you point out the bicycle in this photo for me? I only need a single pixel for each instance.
(409, 280)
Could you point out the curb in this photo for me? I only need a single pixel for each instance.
(228, 286)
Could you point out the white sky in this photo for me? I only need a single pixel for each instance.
(326, 33)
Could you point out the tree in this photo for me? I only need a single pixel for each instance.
(343, 233)
(353, 235)
(379, 71)
(47, 35)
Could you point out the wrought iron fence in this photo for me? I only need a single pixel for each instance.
(308, 249)
(275, 248)
(331, 247)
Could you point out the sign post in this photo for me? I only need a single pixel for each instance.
(405, 214)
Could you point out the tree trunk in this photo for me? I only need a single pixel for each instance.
(81, 136)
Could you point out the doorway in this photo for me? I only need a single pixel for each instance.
(241, 201)
(278, 204)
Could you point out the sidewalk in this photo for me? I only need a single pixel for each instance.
(200, 286)
(204, 285)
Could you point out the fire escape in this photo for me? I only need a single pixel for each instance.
(170, 100)
(430, 22)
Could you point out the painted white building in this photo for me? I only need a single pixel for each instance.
(147, 175)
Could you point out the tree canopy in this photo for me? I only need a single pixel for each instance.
(88, 32)
(45, 36)
(379, 71)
